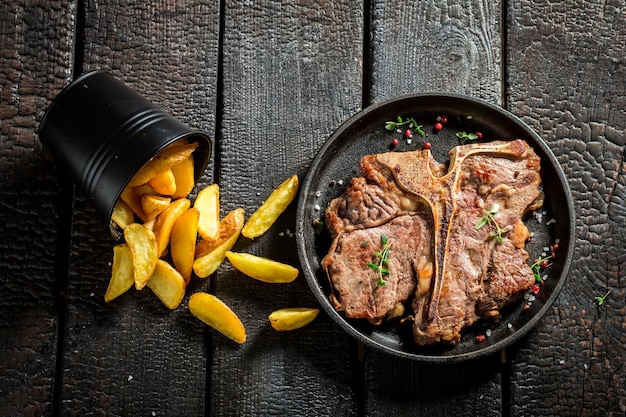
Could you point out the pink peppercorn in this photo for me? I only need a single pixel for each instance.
(479, 135)
(443, 119)
(427, 145)
(407, 133)
(536, 289)
(394, 142)
(480, 338)
(438, 126)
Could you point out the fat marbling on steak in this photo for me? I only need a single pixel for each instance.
(453, 271)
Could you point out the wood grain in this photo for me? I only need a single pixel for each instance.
(567, 80)
(292, 74)
(33, 67)
(449, 47)
(134, 356)
(424, 46)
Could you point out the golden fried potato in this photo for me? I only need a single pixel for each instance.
(183, 242)
(122, 214)
(153, 205)
(168, 284)
(263, 269)
(228, 225)
(263, 218)
(122, 272)
(212, 311)
(292, 318)
(208, 263)
(163, 183)
(208, 204)
(165, 221)
(163, 161)
(132, 198)
(143, 246)
(184, 177)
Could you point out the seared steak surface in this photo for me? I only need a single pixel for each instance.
(453, 271)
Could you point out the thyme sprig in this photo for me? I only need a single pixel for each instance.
(383, 260)
(489, 219)
(464, 136)
(391, 125)
(540, 263)
(600, 299)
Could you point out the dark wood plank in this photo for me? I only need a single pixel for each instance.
(292, 74)
(33, 67)
(567, 79)
(134, 356)
(421, 47)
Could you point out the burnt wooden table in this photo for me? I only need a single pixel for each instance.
(270, 81)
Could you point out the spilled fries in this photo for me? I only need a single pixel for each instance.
(288, 319)
(212, 311)
(262, 269)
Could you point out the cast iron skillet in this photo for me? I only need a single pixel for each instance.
(338, 161)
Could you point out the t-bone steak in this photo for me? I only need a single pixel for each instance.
(452, 260)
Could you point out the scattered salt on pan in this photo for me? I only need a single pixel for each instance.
(409, 141)
(317, 207)
(544, 277)
(318, 193)
(509, 325)
(488, 332)
(130, 378)
(526, 296)
(545, 248)
(340, 182)
(531, 297)
(398, 130)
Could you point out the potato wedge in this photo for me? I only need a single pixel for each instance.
(132, 198)
(164, 182)
(122, 272)
(228, 225)
(206, 264)
(212, 311)
(208, 204)
(153, 205)
(292, 318)
(263, 218)
(262, 269)
(165, 221)
(168, 284)
(183, 242)
(184, 177)
(122, 214)
(163, 161)
(143, 246)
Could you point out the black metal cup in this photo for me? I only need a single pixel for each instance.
(103, 133)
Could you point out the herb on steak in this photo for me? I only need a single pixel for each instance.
(600, 299)
(390, 125)
(464, 136)
(383, 260)
(540, 263)
(488, 218)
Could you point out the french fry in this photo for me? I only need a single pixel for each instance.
(228, 225)
(122, 272)
(165, 221)
(212, 311)
(143, 246)
(164, 182)
(208, 263)
(292, 318)
(163, 161)
(122, 214)
(153, 205)
(183, 242)
(262, 269)
(184, 177)
(265, 216)
(167, 283)
(208, 204)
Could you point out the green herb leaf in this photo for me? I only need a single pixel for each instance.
(464, 136)
(390, 125)
(600, 300)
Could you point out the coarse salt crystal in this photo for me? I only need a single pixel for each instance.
(551, 221)
(509, 325)
(130, 378)
(317, 207)
(340, 182)
(488, 332)
(561, 362)
(318, 193)
(409, 141)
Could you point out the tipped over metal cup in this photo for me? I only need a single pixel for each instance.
(103, 132)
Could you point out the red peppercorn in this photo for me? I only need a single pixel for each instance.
(526, 306)
(555, 247)
(407, 133)
(427, 145)
(443, 119)
(394, 142)
(479, 135)
(438, 126)
(544, 263)
(536, 288)
(480, 338)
